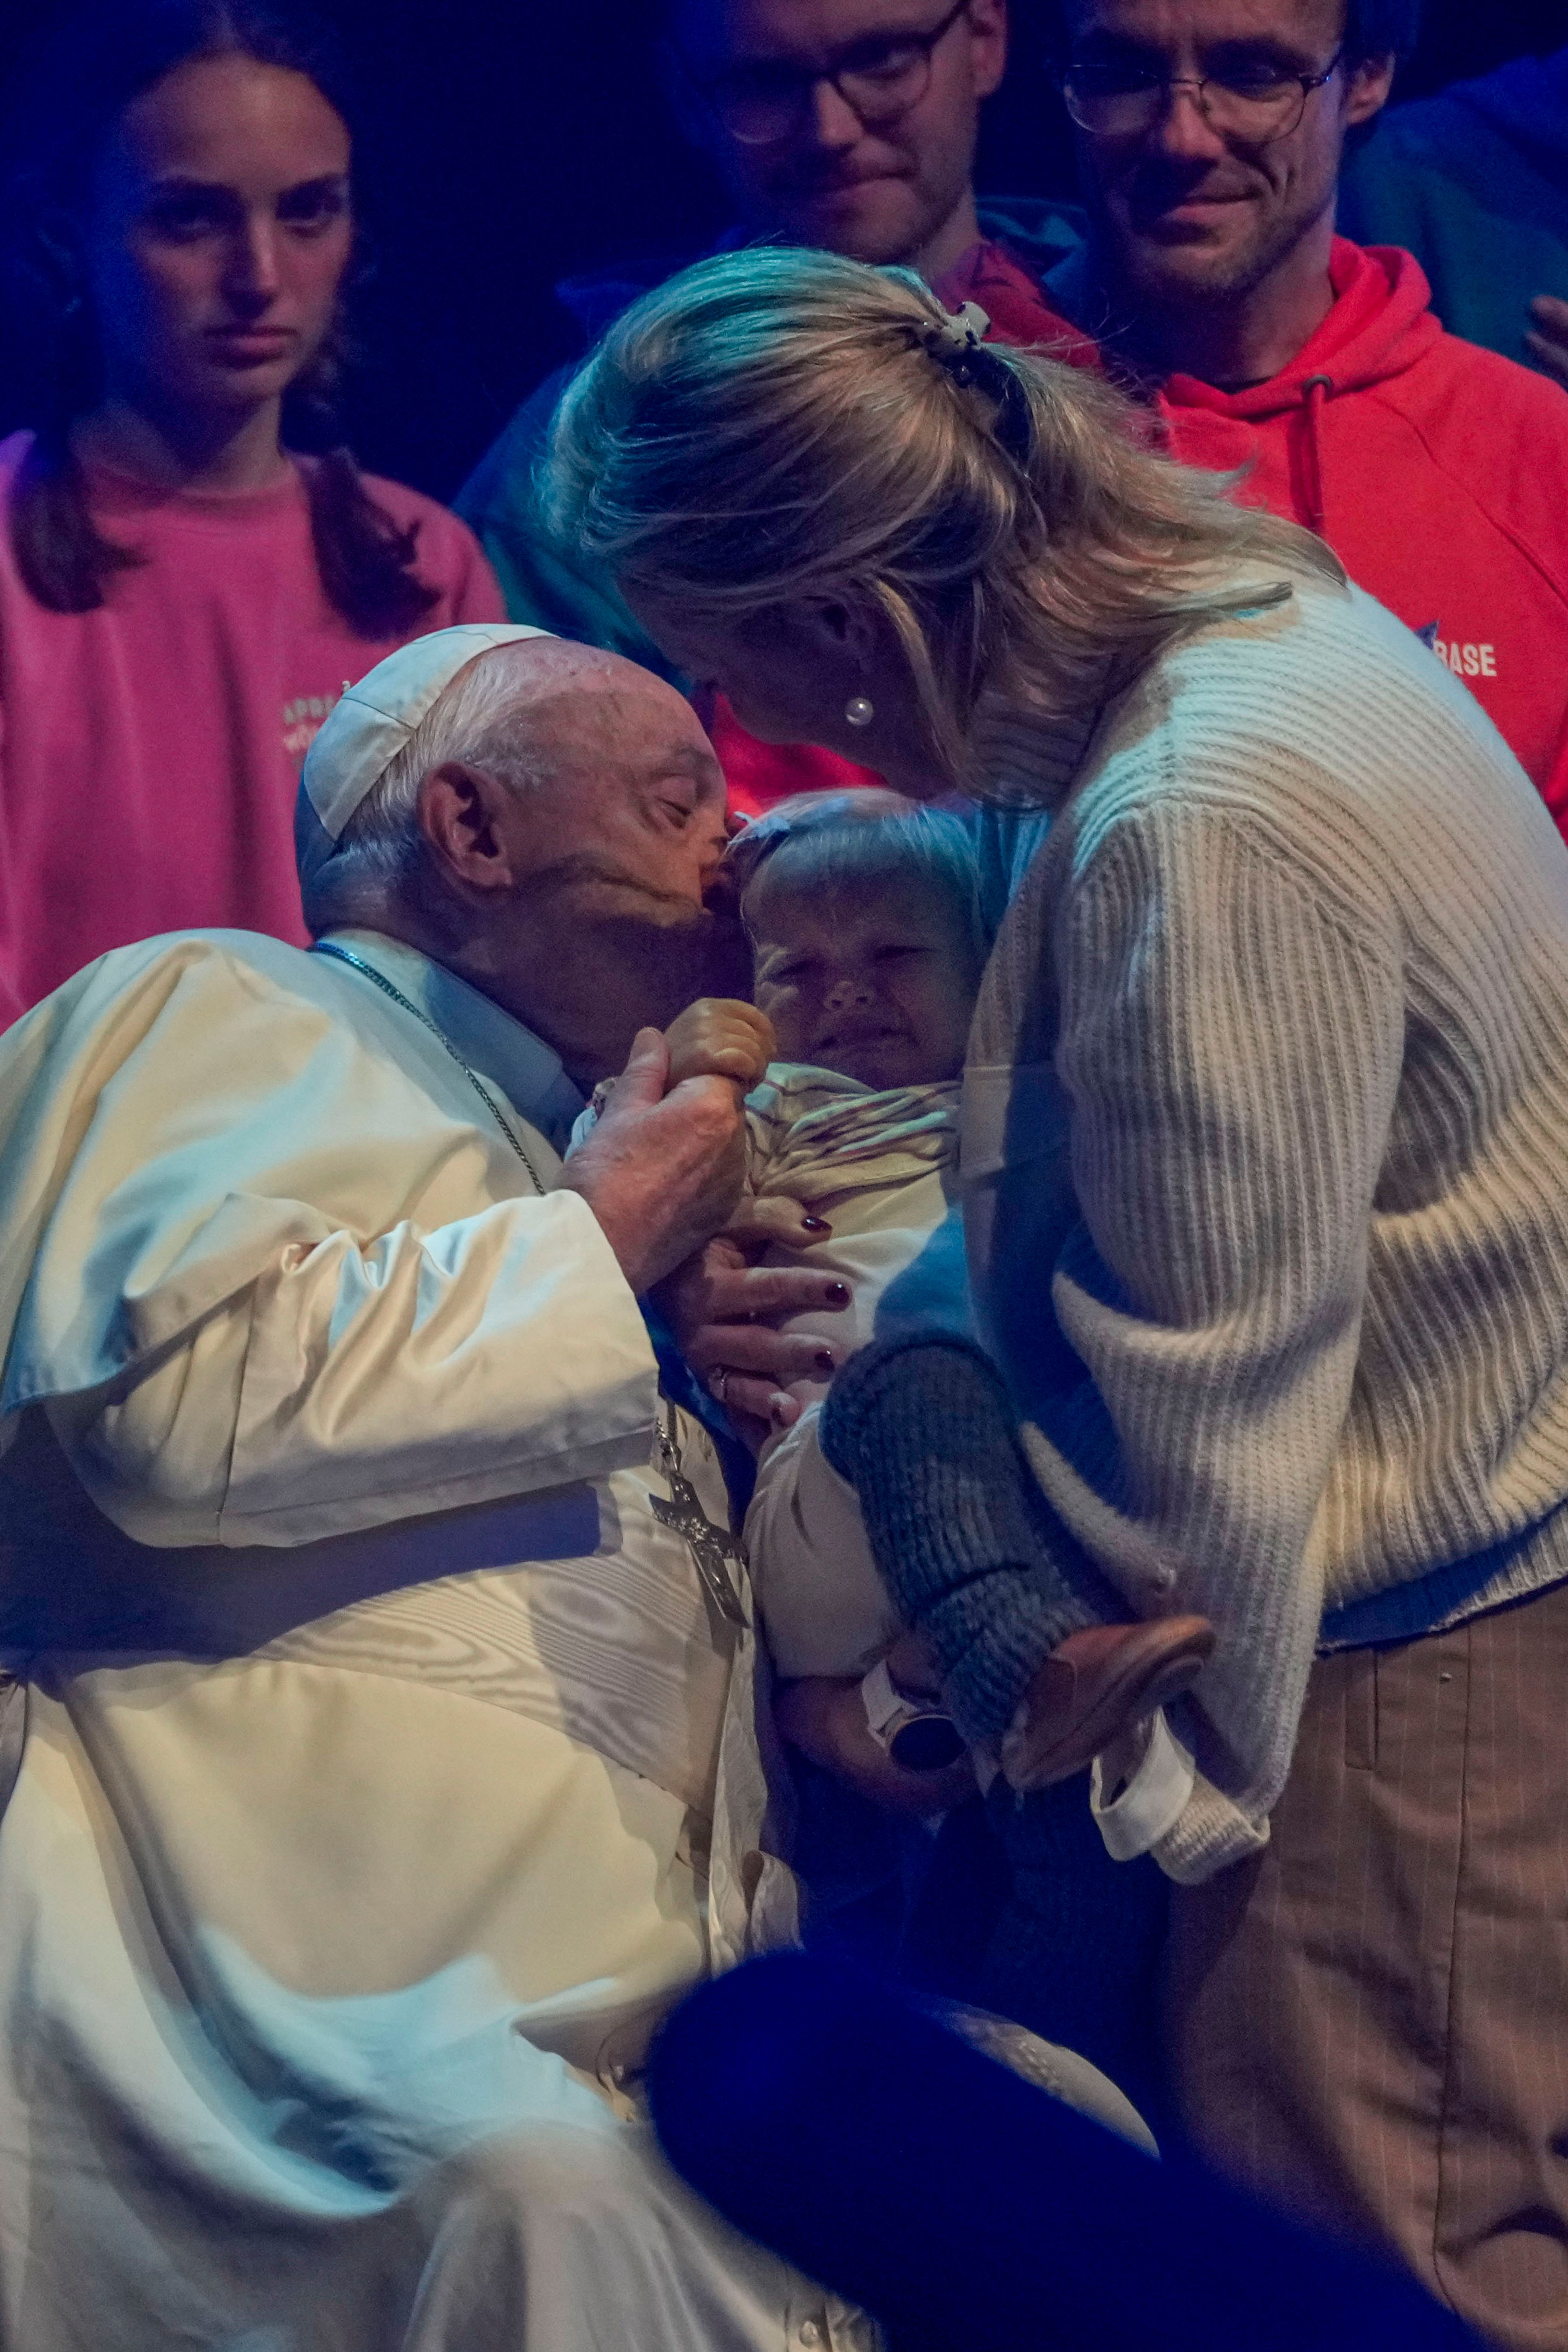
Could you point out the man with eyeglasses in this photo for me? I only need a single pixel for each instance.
(1365, 2022)
(849, 124)
(1209, 137)
(845, 124)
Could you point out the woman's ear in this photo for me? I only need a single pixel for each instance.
(830, 625)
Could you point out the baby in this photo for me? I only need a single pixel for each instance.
(864, 914)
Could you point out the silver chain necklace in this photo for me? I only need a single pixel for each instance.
(343, 955)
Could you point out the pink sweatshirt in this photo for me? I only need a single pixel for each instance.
(150, 750)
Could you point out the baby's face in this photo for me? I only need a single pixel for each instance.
(879, 988)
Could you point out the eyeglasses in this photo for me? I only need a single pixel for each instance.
(1252, 101)
(878, 78)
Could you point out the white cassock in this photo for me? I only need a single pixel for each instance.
(381, 1752)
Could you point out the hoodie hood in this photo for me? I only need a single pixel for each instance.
(1436, 471)
(1010, 293)
(1038, 230)
(1380, 325)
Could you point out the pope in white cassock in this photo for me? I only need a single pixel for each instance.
(377, 1732)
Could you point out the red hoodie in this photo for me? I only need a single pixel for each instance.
(1436, 471)
(1439, 474)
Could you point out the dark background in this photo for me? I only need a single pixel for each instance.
(508, 143)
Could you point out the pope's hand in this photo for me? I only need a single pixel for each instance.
(661, 1170)
(720, 1037)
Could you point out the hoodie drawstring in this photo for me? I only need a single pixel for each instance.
(1318, 388)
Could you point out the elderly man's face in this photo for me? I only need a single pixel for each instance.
(597, 875)
(850, 174)
(1188, 209)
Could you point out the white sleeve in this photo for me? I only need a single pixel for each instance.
(1133, 1810)
(279, 1288)
(357, 1383)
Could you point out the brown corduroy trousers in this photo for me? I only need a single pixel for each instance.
(1369, 2022)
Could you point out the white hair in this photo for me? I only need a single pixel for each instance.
(475, 723)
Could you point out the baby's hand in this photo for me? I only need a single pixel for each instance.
(720, 1037)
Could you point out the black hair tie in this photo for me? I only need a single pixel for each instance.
(955, 342)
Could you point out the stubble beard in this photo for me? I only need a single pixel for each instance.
(897, 224)
(876, 240)
(1164, 279)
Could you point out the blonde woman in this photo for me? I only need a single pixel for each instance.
(1265, 1123)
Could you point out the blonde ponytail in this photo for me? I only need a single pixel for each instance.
(776, 425)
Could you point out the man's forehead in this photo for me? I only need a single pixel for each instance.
(623, 717)
(788, 29)
(1306, 25)
(557, 680)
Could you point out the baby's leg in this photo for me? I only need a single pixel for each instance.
(824, 1605)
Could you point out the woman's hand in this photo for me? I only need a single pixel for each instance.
(722, 1311)
(913, 1668)
(825, 1719)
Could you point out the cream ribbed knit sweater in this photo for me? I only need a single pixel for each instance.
(1266, 1162)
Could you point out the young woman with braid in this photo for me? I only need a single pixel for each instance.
(1262, 1140)
(182, 595)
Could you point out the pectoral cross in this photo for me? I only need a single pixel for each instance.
(712, 1548)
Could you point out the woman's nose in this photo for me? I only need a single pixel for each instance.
(252, 277)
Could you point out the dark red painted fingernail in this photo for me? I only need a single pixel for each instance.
(815, 1226)
(839, 1293)
(825, 1360)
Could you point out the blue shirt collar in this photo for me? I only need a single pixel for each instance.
(494, 1044)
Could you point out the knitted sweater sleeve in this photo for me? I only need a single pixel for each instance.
(1230, 1038)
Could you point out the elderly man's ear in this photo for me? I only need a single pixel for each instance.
(470, 821)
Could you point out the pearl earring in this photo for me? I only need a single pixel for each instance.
(859, 710)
